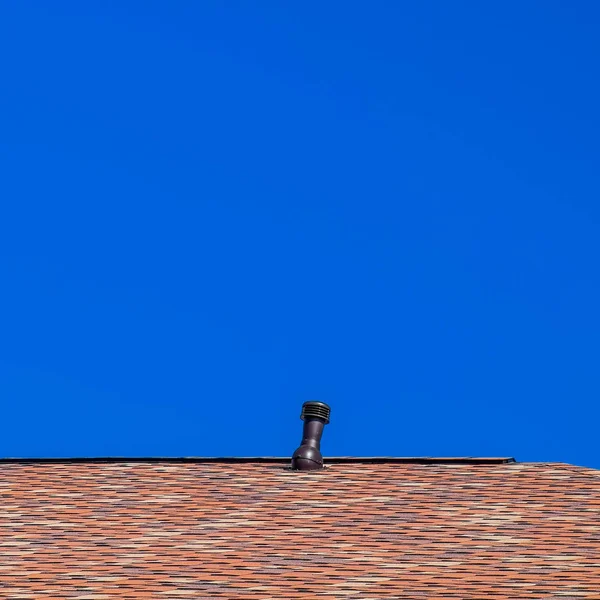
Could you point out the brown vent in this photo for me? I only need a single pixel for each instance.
(308, 456)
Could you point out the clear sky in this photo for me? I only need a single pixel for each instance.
(213, 211)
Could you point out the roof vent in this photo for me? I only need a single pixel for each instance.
(308, 456)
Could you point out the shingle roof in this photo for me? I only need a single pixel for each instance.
(250, 530)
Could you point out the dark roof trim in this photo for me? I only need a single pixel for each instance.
(425, 460)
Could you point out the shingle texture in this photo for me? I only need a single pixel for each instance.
(250, 531)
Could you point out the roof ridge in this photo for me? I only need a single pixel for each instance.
(471, 460)
(594, 474)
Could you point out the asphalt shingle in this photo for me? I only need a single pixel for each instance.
(257, 530)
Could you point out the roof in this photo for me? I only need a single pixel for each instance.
(246, 529)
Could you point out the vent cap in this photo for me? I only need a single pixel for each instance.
(315, 410)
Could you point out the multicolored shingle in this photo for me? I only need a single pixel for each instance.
(255, 530)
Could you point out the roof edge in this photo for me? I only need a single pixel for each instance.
(418, 460)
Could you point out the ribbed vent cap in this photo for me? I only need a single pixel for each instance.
(318, 410)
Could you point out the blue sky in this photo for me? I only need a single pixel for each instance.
(212, 212)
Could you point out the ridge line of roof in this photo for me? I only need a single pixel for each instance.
(467, 460)
(580, 470)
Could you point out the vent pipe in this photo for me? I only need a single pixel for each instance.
(308, 456)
